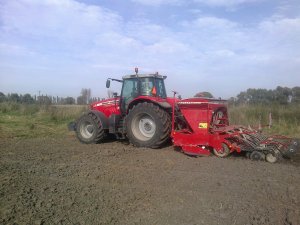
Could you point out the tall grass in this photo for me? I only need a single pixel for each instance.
(22, 120)
(285, 118)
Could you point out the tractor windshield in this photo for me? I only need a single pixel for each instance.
(150, 86)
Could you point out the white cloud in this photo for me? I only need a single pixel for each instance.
(226, 3)
(167, 46)
(158, 2)
(212, 3)
(282, 28)
(212, 34)
(288, 9)
(56, 19)
(211, 22)
(146, 32)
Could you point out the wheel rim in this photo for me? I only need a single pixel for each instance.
(223, 152)
(87, 129)
(143, 127)
(220, 153)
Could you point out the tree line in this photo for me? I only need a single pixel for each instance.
(280, 95)
(84, 98)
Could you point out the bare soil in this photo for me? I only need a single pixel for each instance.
(61, 181)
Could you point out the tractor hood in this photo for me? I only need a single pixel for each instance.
(105, 103)
(107, 106)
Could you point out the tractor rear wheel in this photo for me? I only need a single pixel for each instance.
(89, 129)
(148, 125)
(224, 152)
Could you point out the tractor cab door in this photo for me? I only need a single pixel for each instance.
(129, 92)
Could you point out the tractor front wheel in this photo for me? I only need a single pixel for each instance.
(148, 125)
(89, 129)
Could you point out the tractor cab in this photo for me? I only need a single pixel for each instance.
(138, 87)
(141, 86)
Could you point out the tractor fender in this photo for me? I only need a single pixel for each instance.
(101, 116)
(164, 105)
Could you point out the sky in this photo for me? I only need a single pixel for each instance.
(58, 47)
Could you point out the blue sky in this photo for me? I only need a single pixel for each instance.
(221, 46)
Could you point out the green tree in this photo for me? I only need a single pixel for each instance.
(27, 99)
(44, 100)
(283, 95)
(80, 100)
(2, 97)
(296, 95)
(69, 101)
(14, 97)
(261, 96)
(242, 98)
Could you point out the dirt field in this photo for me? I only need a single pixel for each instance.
(60, 181)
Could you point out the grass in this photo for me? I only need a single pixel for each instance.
(285, 118)
(27, 121)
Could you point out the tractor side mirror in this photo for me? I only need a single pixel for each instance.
(107, 83)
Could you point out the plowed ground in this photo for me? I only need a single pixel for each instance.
(61, 181)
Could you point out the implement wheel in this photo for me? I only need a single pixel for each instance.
(223, 153)
(271, 158)
(89, 129)
(148, 125)
(256, 155)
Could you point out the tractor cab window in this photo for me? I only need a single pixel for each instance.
(151, 86)
(146, 85)
(129, 92)
(160, 88)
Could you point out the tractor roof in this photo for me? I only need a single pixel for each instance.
(144, 75)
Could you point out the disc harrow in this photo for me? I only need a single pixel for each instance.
(258, 146)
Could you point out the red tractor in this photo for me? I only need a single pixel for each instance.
(148, 118)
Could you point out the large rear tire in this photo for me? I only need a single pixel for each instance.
(148, 125)
(89, 129)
